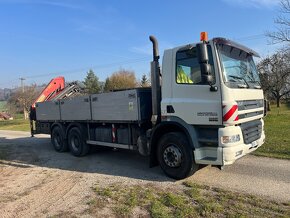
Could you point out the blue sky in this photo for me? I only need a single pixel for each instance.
(41, 39)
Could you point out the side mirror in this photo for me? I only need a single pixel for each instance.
(202, 53)
(206, 73)
(207, 78)
(205, 67)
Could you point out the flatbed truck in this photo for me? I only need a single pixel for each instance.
(205, 107)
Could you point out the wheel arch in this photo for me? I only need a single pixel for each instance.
(166, 127)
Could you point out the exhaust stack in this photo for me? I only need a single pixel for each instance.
(155, 83)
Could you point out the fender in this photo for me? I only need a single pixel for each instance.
(172, 124)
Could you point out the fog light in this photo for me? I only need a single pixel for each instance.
(230, 139)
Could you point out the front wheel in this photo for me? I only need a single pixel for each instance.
(175, 156)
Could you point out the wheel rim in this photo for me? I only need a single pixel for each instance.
(75, 143)
(172, 156)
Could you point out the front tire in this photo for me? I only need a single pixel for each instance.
(175, 156)
(77, 144)
(58, 139)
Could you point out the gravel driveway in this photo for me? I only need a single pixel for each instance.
(36, 181)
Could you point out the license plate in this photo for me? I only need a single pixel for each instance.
(254, 144)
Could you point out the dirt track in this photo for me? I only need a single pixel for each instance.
(37, 181)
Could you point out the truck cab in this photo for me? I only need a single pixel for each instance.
(220, 117)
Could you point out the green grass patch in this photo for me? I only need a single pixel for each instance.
(2, 105)
(186, 200)
(17, 125)
(277, 131)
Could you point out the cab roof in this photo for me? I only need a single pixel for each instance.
(223, 41)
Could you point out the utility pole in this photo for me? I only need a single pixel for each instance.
(25, 113)
(22, 83)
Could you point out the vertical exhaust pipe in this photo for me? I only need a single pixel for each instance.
(155, 83)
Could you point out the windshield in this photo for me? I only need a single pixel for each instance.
(239, 69)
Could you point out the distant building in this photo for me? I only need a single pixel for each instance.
(5, 116)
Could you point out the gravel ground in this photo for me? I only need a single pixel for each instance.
(36, 181)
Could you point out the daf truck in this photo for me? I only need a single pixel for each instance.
(205, 106)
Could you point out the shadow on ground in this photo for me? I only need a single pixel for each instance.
(29, 152)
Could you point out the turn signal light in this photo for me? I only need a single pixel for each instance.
(203, 36)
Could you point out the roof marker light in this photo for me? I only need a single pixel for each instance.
(203, 36)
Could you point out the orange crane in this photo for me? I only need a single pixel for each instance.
(54, 87)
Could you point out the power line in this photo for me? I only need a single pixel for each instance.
(72, 71)
(101, 66)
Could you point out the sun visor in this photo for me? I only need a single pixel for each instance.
(223, 41)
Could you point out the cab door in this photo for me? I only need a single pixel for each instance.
(192, 99)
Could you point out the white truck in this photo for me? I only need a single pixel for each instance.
(205, 107)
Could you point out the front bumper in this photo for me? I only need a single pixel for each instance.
(226, 154)
(233, 151)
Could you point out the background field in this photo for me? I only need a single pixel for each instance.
(277, 128)
(2, 105)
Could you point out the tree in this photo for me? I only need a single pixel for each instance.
(283, 24)
(275, 75)
(92, 83)
(22, 100)
(144, 81)
(122, 79)
(107, 85)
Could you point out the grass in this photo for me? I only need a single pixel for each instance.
(2, 106)
(277, 131)
(188, 200)
(17, 125)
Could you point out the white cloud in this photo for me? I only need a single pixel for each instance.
(253, 3)
(63, 4)
(55, 3)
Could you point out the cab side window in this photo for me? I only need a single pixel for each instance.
(187, 67)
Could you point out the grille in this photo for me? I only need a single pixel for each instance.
(252, 114)
(251, 131)
(250, 104)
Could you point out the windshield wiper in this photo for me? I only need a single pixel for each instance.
(243, 79)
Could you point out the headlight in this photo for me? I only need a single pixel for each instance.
(230, 139)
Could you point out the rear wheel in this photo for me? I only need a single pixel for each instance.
(175, 156)
(58, 139)
(77, 144)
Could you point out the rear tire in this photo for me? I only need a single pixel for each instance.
(77, 144)
(58, 139)
(175, 156)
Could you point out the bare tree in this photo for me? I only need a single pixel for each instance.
(275, 75)
(122, 79)
(22, 100)
(283, 24)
